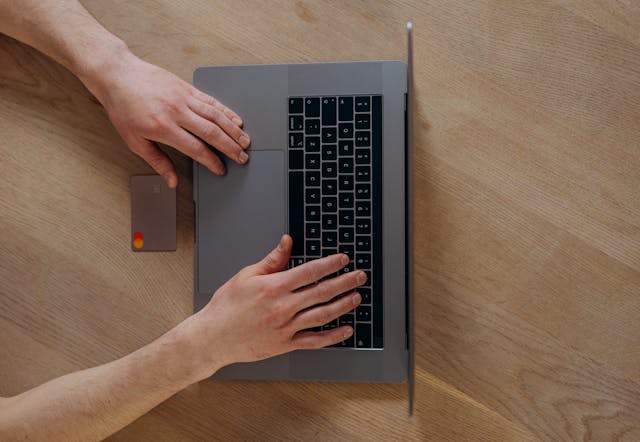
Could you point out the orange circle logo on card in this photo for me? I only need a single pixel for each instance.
(138, 240)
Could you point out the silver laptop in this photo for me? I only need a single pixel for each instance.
(328, 163)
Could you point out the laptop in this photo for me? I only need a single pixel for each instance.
(329, 164)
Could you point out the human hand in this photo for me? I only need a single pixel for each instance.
(147, 104)
(263, 311)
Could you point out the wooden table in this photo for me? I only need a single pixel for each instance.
(527, 213)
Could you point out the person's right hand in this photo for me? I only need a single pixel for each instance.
(263, 311)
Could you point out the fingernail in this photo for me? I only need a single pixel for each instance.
(348, 332)
(356, 299)
(244, 141)
(344, 260)
(362, 277)
(237, 121)
(243, 157)
(280, 245)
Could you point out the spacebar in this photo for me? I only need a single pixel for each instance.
(296, 212)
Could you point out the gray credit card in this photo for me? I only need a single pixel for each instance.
(153, 214)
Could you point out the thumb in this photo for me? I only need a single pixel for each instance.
(156, 158)
(277, 258)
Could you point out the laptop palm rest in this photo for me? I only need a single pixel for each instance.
(244, 214)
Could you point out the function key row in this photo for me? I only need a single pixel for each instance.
(333, 109)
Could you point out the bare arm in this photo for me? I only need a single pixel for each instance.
(93, 403)
(145, 103)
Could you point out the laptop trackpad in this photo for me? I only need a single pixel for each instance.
(241, 216)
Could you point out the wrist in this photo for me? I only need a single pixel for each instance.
(199, 347)
(98, 72)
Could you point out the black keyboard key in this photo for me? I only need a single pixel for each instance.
(363, 173)
(329, 252)
(312, 161)
(313, 248)
(313, 213)
(329, 239)
(363, 191)
(363, 243)
(312, 230)
(345, 147)
(312, 107)
(295, 105)
(365, 293)
(329, 187)
(329, 204)
(312, 179)
(329, 221)
(328, 111)
(363, 313)
(346, 235)
(363, 208)
(296, 159)
(345, 182)
(347, 343)
(363, 156)
(363, 138)
(296, 140)
(329, 152)
(329, 169)
(296, 211)
(363, 260)
(345, 200)
(312, 195)
(363, 121)
(346, 217)
(363, 226)
(363, 335)
(348, 268)
(363, 104)
(345, 130)
(295, 262)
(296, 122)
(347, 250)
(312, 144)
(312, 126)
(345, 165)
(330, 325)
(346, 319)
(329, 135)
(345, 108)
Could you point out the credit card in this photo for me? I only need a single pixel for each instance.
(153, 214)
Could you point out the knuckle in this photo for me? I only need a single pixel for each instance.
(212, 132)
(215, 114)
(199, 150)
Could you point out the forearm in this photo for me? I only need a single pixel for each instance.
(93, 403)
(64, 30)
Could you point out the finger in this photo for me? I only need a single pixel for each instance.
(317, 316)
(217, 116)
(208, 99)
(156, 158)
(215, 136)
(309, 340)
(194, 148)
(276, 259)
(314, 270)
(328, 289)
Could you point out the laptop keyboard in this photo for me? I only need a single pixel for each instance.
(335, 194)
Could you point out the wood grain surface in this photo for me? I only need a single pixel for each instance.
(527, 214)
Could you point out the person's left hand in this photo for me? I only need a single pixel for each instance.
(147, 104)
